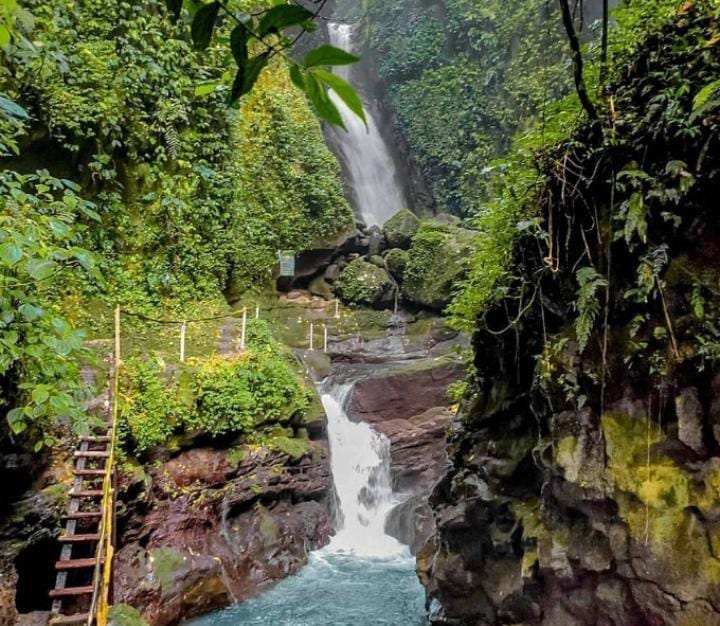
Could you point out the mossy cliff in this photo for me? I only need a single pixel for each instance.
(586, 459)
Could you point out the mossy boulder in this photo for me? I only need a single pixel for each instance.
(396, 260)
(124, 615)
(437, 260)
(401, 228)
(366, 284)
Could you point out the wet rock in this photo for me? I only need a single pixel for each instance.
(320, 287)
(400, 229)
(690, 414)
(376, 241)
(332, 273)
(411, 522)
(377, 261)
(220, 526)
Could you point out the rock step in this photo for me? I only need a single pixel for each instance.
(96, 438)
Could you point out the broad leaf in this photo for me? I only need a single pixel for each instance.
(11, 108)
(297, 77)
(283, 16)
(204, 24)
(40, 270)
(239, 44)
(344, 90)
(206, 88)
(247, 76)
(10, 253)
(329, 55)
(324, 107)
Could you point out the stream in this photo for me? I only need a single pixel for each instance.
(363, 576)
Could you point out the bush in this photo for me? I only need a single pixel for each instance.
(214, 396)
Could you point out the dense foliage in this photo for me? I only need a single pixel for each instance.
(111, 103)
(228, 395)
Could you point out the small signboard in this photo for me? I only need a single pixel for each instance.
(287, 263)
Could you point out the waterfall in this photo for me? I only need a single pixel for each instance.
(369, 165)
(360, 463)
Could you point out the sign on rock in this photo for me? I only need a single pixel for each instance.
(287, 263)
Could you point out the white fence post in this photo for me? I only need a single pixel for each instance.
(312, 336)
(242, 331)
(183, 329)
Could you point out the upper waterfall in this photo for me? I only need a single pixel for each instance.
(370, 167)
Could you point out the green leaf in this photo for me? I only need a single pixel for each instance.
(321, 103)
(10, 253)
(4, 36)
(247, 76)
(297, 77)
(30, 312)
(283, 16)
(203, 25)
(40, 270)
(239, 38)
(174, 6)
(40, 395)
(344, 90)
(206, 88)
(16, 420)
(704, 95)
(13, 109)
(329, 55)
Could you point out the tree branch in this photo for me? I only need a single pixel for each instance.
(580, 87)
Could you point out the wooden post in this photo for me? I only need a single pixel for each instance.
(337, 307)
(183, 329)
(325, 337)
(312, 336)
(244, 327)
(257, 311)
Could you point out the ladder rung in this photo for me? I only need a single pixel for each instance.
(75, 564)
(61, 620)
(83, 515)
(79, 538)
(87, 493)
(92, 454)
(95, 438)
(89, 472)
(71, 591)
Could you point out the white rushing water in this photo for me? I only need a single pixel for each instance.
(360, 462)
(370, 167)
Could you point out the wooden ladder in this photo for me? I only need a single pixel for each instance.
(80, 556)
(82, 582)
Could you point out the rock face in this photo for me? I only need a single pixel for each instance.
(401, 228)
(395, 402)
(585, 482)
(210, 527)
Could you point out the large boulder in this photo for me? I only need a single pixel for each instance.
(437, 261)
(364, 283)
(400, 229)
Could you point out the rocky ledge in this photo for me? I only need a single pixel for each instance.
(211, 527)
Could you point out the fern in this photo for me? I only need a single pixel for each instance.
(587, 303)
(703, 97)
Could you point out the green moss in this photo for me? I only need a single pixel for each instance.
(125, 615)
(401, 228)
(237, 455)
(396, 261)
(437, 261)
(366, 284)
(166, 562)
(295, 448)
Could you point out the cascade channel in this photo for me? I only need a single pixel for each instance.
(371, 174)
(363, 576)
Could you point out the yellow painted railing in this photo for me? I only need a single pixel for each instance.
(100, 606)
